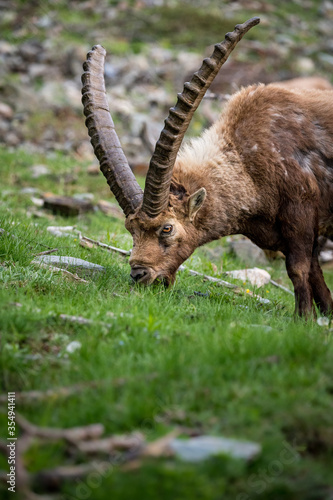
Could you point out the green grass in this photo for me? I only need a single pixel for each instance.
(164, 358)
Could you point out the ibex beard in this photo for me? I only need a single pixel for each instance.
(264, 170)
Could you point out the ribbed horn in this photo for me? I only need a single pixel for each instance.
(104, 139)
(157, 188)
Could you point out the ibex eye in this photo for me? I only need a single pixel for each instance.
(167, 229)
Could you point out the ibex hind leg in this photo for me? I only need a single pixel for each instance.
(298, 233)
(298, 265)
(321, 294)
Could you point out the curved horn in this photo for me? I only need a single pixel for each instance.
(104, 139)
(157, 188)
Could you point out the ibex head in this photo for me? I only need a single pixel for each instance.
(164, 220)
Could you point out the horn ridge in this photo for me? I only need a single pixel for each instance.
(103, 136)
(158, 180)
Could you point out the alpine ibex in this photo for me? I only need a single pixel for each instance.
(264, 170)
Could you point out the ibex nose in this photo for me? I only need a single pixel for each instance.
(137, 273)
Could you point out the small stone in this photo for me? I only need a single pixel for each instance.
(29, 190)
(326, 256)
(73, 346)
(37, 201)
(86, 244)
(39, 170)
(84, 196)
(38, 70)
(248, 252)
(305, 65)
(67, 206)
(326, 59)
(263, 328)
(202, 447)
(110, 209)
(323, 321)
(93, 170)
(12, 139)
(6, 48)
(60, 231)
(6, 111)
(67, 262)
(257, 277)
(31, 50)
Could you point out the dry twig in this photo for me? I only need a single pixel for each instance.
(106, 247)
(71, 276)
(47, 252)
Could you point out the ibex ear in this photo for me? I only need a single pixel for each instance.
(195, 202)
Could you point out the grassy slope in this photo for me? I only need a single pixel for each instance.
(205, 362)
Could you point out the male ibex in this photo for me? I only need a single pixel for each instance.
(264, 170)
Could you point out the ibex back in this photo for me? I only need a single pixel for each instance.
(265, 170)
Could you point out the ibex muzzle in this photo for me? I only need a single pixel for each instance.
(264, 169)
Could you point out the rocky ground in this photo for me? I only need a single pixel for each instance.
(153, 46)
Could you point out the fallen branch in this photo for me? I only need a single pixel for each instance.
(47, 252)
(73, 434)
(107, 445)
(81, 441)
(76, 438)
(210, 278)
(218, 281)
(71, 276)
(83, 321)
(106, 247)
(285, 289)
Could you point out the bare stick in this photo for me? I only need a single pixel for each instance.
(47, 252)
(92, 431)
(71, 276)
(218, 281)
(83, 321)
(285, 289)
(106, 247)
(111, 443)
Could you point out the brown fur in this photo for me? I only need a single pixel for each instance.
(267, 168)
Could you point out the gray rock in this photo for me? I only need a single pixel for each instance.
(6, 111)
(37, 70)
(80, 266)
(326, 59)
(45, 22)
(202, 447)
(4, 129)
(6, 48)
(248, 252)
(12, 139)
(39, 170)
(84, 196)
(31, 50)
(59, 232)
(29, 190)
